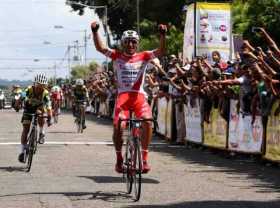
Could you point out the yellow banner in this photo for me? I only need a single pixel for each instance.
(214, 6)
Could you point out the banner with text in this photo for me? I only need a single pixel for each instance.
(273, 133)
(243, 135)
(161, 118)
(193, 120)
(213, 29)
(189, 37)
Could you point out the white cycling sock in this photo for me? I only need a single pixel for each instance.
(22, 147)
(41, 130)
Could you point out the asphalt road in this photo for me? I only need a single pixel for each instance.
(77, 170)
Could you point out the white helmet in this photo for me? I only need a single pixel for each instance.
(41, 79)
(79, 82)
(130, 34)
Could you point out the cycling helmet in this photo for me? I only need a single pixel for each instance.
(41, 79)
(79, 82)
(130, 34)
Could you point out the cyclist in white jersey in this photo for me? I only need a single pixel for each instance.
(129, 67)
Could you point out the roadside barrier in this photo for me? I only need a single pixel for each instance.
(233, 131)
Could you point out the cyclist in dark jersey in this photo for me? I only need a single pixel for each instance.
(37, 99)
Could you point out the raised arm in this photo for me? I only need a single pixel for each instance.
(161, 50)
(269, 40)
(97, 39)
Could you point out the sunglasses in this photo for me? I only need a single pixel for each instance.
(130, 40)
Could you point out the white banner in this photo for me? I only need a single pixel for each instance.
(193, 121)
(243, 136)
(189, 38)
(161, 119)
(213, 29)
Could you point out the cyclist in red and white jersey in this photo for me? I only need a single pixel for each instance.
(129, 67)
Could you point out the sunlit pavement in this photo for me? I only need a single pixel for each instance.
(77, 170)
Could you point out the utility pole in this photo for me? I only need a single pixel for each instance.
(55, 73)
(85, 58)
(69, 61)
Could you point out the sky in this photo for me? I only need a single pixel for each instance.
(30, 41)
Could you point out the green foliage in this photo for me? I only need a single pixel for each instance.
(256, 13)
(122, 16)
(82, 71)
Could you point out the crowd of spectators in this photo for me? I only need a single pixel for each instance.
(253, 79)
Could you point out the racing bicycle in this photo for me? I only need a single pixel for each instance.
(133, 162)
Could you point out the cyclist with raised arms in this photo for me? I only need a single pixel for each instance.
(129, 67)
(37, 99)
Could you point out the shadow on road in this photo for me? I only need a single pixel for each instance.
(214, 204)
(110, 179)
(13, 169)
(61, 132)
(81, 196)
(265, 178)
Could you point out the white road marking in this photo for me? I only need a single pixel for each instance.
(75, 143)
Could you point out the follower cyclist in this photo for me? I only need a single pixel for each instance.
(56, 98)
(80, 94)
(37, 99)
(130, 67)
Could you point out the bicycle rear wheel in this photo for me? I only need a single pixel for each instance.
(30, 150)
(128, 166)
(137, 166)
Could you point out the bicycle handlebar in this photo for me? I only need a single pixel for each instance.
(36, 114)
(137, 119)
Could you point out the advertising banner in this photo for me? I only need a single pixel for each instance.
(273, 133)
(193, 121)
(243, 135)
(189, 37)
(213, 29)
(161, 119)
(215, 132)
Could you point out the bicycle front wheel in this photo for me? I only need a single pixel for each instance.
(30, 150)
(128, 166)
(137, 166)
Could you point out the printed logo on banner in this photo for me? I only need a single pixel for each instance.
(243, 136)
(193, 120)
(223, 28)
(213, 29)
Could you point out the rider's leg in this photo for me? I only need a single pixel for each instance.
(147, 137)
(117, 134)
(118, 142)
(41, 122)
(25, 130)
(143, 110)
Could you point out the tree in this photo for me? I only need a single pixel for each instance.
(255, 13)
(83, 71)
(122, 13)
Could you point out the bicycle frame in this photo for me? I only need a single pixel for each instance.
(133, 155)
(80, 118)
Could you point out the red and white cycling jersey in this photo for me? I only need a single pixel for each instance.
(130, 70)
